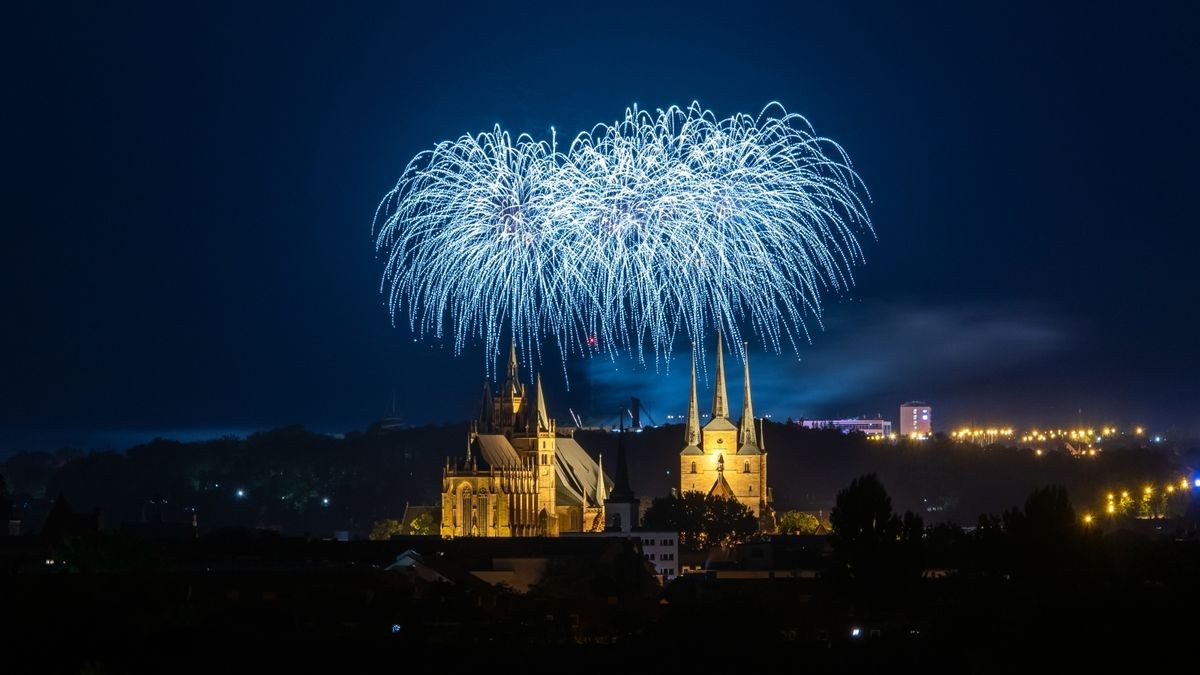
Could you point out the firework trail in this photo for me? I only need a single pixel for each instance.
(656, 225)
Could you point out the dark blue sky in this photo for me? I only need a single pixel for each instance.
(189, 194)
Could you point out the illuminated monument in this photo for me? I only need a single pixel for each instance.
(721, 458)
(519, 477)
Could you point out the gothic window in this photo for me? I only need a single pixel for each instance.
(750, 488)
(693, 467)
(746, 467)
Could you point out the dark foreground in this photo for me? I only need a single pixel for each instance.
(250, 602)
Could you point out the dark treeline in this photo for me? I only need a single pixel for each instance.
(940, 478)
(301, 482)
(288, 479)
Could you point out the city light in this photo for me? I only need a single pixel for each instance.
(240, 493)
(855, 632)
(1087, 519)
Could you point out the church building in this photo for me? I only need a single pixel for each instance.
(722, 458)
(519, 476)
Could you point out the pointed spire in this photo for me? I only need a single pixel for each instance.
(486, 408)
(513, 381)
(538, 419)
(747, 424)
(622, 492)
(601, 490)
(692, 434)
(720, 398)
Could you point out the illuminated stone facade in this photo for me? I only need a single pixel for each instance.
(722, 458)
(519, 477)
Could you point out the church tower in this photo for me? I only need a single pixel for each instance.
(622, 510)
(719, 436)
(540, 448)
(505, 403)
(721, 458)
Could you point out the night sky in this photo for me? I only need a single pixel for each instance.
(189, 196)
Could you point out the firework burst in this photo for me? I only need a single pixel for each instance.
(656, 225)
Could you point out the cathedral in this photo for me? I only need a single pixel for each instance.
(721, 458)
(520, 477)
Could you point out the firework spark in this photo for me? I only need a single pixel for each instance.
(655, 225)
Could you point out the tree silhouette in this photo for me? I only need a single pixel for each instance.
(385, 529)
(862, 518)
(869, 540)
(422, 525)
(798, 522)
(702, 520)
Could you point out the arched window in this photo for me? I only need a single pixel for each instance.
(693, 467)
(746, 467)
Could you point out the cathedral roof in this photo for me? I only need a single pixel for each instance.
(749, 449)
(692, 450)
(578, 474)
(494, 451)
(720, 424)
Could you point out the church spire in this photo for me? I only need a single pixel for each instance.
(692, 436)
(622, 492)
(601, 490)
(720, 398)
(538, 419)
(486, 408)
(747, 423)
(513, 382)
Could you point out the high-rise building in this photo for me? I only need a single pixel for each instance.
(916, 417)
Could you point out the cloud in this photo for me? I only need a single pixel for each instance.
(866, 354)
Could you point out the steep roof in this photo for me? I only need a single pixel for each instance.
(720, 424)
(494, 451)
(722, 488)
(578, 474)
